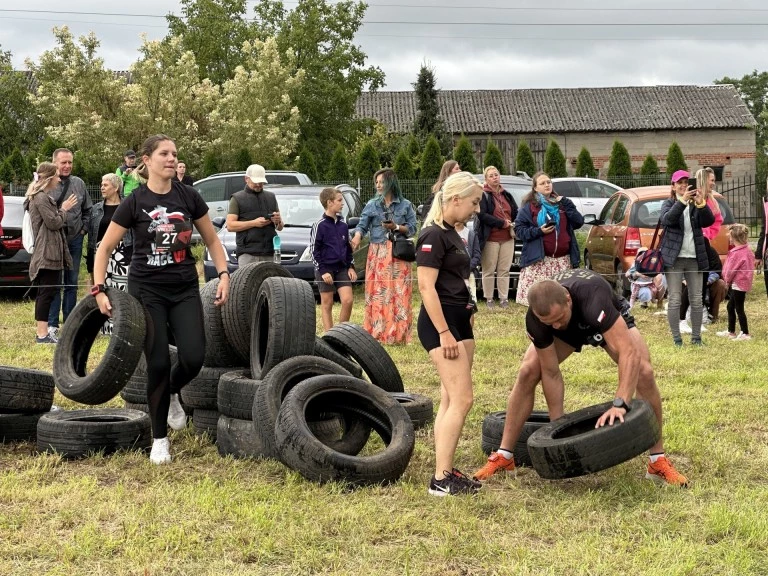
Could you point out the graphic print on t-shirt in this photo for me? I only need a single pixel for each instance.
(173, 233)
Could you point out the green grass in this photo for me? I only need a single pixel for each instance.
(209, 515)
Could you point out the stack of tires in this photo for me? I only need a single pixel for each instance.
(25, 395)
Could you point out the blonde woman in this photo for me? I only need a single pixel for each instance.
(51, 254)
(498, 211)
(705, 180)
(449, 167)
(444, 326)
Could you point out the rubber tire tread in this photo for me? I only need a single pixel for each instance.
(237, 311)
(136, 406)
(353, 341)
(119, 362)
(419, 408)
(23, 390)
(303, 452)
(21, 427)
(205, 422)
(202, 390)
(238, 438)
(325, 350)
(589, 449)
(493, 428)
(77, 433)
(236, 394)
(218, 351)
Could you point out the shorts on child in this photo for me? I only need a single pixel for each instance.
(340, 279)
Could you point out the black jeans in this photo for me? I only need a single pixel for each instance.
(48, 285)
(177, 309)
(736, 308)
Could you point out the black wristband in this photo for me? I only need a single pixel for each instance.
(222, 273)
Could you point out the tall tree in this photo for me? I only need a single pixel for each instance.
(243, 159)
(18, 167)
(753, 89)
(338, 169)
(493, 157)
(214, 30)
(585, 168)
(464, 155)
(367, 163)
(554, 161)
(428, 121)
(306, 163)
(650, 167)
(524, 160)
(403, 166)
(675, 159)
(620, 167)
(431, 160)
(321, 35)
(19, 125)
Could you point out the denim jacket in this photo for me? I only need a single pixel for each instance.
(399, 211)
(93, 228)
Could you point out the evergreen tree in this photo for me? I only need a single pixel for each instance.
(338, 170)
(584, 165)
(6, 173)
(211, 163)
(46, 149)
(243, 159)
(414, 149)
(524, 160)
(493, 157)
(307, 163)
(649, 172)
(554, 161)
(366, 165)
(19, 167)
(620, 167)
(428, 121)
(431, 160)
(465, 156)
(403, 166)
(277, 164)
(675, 159)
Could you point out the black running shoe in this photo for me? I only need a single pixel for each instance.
(452, 485)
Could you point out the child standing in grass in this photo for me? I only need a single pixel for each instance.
(738, 273)
(332, 257)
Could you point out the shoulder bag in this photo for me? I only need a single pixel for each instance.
(402, 247)
(650, 262)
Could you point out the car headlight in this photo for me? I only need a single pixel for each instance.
(306, 256)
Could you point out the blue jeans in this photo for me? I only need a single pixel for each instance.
(70, 284)
(687, 268)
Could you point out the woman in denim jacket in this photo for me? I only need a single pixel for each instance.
(388, 281)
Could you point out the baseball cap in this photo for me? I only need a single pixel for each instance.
(256, 174)
(129, 154)
(679, 174)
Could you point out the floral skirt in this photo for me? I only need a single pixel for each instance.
(117, 276)
(388, 289)
(541, 270)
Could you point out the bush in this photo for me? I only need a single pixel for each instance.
(620, 167)
(493, 157)
(243, 159)
(367, 162)
(431, 160)
(465, 156)
(675, 159)
(211, 163)
(524, 160)
(307, 164)
(414, 149)
(19, 167)
(554, 161)
(585, 168)
(338, 170)
(649, 167)
(403, 166)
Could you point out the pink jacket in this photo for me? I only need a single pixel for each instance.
(739, 268)
(711, 231)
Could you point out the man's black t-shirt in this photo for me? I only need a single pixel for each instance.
(445, 250)
(162, 232)
(594, 310)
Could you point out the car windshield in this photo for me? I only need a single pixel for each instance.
(302, 211)
(645, 214)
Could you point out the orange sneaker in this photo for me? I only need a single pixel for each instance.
(662, 472)
(495, 463)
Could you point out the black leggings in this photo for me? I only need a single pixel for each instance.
(48, 284)
(736, 308)
(180, 311)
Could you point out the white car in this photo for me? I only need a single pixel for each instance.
(588, 194)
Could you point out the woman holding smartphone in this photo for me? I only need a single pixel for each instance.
(545, 225)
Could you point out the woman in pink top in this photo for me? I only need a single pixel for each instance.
(705, 179)
(738, 272)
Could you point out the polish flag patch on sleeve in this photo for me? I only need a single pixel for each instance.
(426, 247)
(601, 316)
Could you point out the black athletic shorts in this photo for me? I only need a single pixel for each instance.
(457, 318)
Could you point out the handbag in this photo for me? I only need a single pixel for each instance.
(650, 262)
(403, 248)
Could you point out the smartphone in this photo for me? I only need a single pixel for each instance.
(693, 184)
(548, 220)
(386, 221)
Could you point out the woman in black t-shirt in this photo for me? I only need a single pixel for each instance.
(444, 321)
(163, 277)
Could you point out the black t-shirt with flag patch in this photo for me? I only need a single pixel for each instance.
(162, 232)
(595, 309)
(445, 250)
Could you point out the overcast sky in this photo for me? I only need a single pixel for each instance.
(474, 44)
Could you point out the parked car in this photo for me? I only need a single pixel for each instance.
(14, 260)
(300, 208)
(626, 223)
(588, 194)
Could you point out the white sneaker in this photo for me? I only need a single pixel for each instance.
(177, 418)
(725, 334)
(703, 329)
(684, 328)
(161, 451)
(742, 336)
(54, 332)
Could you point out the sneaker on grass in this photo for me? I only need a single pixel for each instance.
(684, 327)
(161, 451)
(742, 336)
(662, 472)
(496, 462)
(47, 339)
(177, 418)
(453, 484)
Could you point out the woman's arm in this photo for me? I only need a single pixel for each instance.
(525, 229)
(670, 213)
(486, 214)
(410, 220)
(53, 218)
(219, 257)
(431, 301)
(109, 242)
(572, 213)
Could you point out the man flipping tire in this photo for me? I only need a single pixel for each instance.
(577, 308)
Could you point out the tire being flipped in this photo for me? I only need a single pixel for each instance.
(572, 446)
(493, 429)
(120, 359)
(302, 451)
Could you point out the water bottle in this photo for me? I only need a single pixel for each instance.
(276, 246)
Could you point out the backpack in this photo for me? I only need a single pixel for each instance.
(27, 233)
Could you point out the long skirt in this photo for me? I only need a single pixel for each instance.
(388, 289)
(117, 276)
(541, 270)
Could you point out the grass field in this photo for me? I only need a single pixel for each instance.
(203, 514)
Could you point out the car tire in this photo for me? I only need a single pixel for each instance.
(77, 433)
(324, 350)
(203, 390)
(218, 352)
(572, 446)
(136, 406)
(205, 422)
(420, 408)
(21, 427)
(119, 362)
(354, 342)
(303, 452)
(237, 311)
(23, 390)
(238, 438)
(284, 321)
(235, 394)
(135, 390)
(493, 428)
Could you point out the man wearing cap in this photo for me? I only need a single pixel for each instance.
(130, 182)
(254, 217)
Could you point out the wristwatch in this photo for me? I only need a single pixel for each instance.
(619, 403)
(98, 288)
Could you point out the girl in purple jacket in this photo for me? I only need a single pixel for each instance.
(738, 272)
